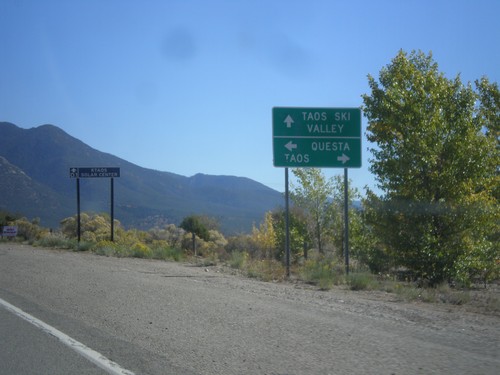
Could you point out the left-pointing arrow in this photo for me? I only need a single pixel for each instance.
(291, 146)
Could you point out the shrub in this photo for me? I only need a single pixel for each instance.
(83, 245)
(139, 250)
(55, 240)
(106, 248)
(324, 273)
(29, 230)
(238, 259)
(361, 281)
(265, 270)
(166, 252)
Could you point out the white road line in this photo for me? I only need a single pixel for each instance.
(93, 356)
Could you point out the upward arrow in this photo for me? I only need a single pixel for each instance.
(289, 121)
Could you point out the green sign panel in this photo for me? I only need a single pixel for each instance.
(317, 137)
(110, 172)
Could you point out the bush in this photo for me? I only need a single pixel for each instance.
(167, 252)
(139, 250)
(29, 230)
(106, 248)
(55, 240)
(83, 245)
(238, 259)
(265, 270)
(361, 281)
(324, 273)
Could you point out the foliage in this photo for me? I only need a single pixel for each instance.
(141, 250)
(241, 243)
(7, 218)
(361, 281)
(29, 230)
(265, 237)
(194, 224)
(171, 234)
(55, 240)
(238, 259)
(489, 110)
(168, 253)
(322, 203)
(312, 195)
(93, 227)
(356, 226)
(435, 165)
(109, 248)
(299, 235)
(265, 269)
(322, 272)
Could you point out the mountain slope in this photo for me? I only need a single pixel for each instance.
(143, 197)
(24, 195)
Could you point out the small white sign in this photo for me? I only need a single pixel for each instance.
(9, 231)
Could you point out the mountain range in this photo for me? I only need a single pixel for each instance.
(35, 182)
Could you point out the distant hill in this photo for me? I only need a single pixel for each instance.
(34, 181)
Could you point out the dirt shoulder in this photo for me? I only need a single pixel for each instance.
(478, 300)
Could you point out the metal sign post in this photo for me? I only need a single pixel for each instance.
(95, 172)
(78, 226)
(287, 225)
(112, 188)
(346, 221)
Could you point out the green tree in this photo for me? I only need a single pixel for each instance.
(299, 235)
(312, 195)
(435, 164)
(194, 225)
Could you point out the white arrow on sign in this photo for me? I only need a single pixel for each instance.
(291, 146)
(344, 158)
(289, 121)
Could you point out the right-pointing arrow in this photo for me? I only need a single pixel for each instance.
(291, 146)
(344, 158)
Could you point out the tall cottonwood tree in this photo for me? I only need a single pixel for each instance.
(435, 165)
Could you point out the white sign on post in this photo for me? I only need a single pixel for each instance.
(9, 231)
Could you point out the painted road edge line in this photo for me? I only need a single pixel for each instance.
(98, 359)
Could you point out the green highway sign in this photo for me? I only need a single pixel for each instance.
(317, 137)
(110, 172)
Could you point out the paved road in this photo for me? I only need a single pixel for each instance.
(25, 349)
(164, 318)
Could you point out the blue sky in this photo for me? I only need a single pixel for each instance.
(188, 86)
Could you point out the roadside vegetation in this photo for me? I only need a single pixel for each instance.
(431, 235)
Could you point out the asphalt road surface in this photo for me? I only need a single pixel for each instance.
(153, 317)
